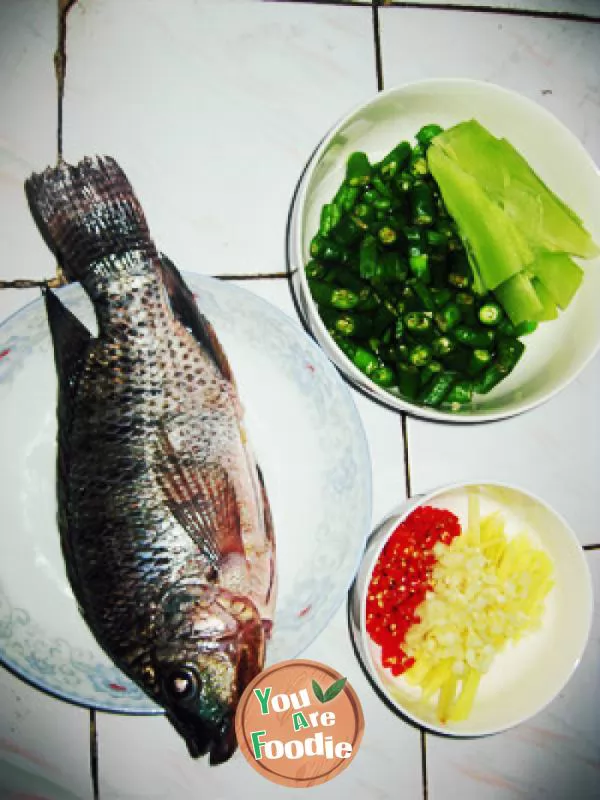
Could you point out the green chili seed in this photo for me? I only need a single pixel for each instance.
(387, 235)
(490, 314)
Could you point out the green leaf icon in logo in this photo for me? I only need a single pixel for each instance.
(331, 693)
(318, 692)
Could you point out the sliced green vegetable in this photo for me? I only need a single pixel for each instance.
(492, 239)
(504, 174)
(560, 275)
(519, 299)
(549, 310)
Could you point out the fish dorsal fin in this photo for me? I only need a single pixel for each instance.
(185, 309)
(70, 338)
(202, 499)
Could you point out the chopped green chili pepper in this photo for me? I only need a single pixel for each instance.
(404, 183)
(460, 394)
(381, 187)
(391, 268)
(418, 163)
(436, 239)
(395, 160)
(426, 134)
(383, 376)
(353, 325)
(364, 212)
(479, 339)
(362, 358)
(330, 217)
(408, 381)
(437, 389)
(441, 297)
(410, 301)
(459, 273)
(428, 371)
(367, 300)
(368, 257)
(525, 328)
(314, 269)
(490, 314)
(448, 317)
(326, 250)
(420, 355)
(419, 265)
(346, 197)
(442, 346)
(424, 294)
(422, 204)
(348, 230)
(383, 318)
(509, 353)
(478, 360)
(358, 169)
(331, 296)
(418, 324)
(490, 378)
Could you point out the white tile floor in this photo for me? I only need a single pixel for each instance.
(213, 108)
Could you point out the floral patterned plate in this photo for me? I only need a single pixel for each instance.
(308, 439)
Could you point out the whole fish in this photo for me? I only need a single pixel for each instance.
(164, 520)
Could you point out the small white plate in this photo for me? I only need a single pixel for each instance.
(526, 676)
(308, 439)
(558, 350)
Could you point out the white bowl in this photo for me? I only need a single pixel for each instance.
(526, 676)
(558, 351)
(308, 439)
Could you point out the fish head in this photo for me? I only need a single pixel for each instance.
(210, 645)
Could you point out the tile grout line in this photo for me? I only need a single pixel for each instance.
(561, 16)
(94, 755)
(377, 45)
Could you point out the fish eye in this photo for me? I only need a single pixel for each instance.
(182, 683)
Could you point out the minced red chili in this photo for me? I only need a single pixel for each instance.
(401, 579)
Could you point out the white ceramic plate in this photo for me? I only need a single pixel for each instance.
(559, 350)
(309, 441)
(527, 675)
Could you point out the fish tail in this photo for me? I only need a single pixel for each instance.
(86, 213)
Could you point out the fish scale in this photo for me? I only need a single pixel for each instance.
(164, 520)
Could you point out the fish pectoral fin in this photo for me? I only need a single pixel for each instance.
(187, 312)
(70, 338)
(203, 501)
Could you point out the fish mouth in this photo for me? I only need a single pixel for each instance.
(203, 738)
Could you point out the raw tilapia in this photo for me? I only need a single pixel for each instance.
(164, 520)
